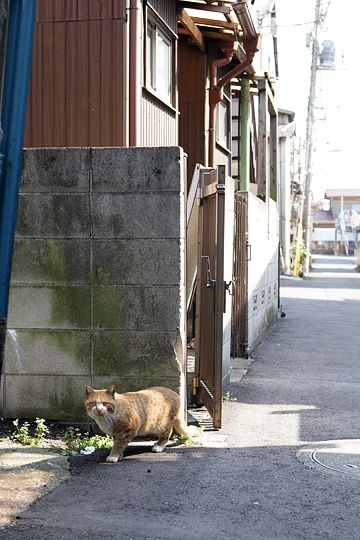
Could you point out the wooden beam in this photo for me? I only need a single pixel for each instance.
(213, 35)
(213, 22)
(222, 36)
(195, 33)
(231, 17)
(204, 7)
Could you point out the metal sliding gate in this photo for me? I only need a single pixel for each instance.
(210, 292)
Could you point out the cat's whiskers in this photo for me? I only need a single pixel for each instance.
(105, 421)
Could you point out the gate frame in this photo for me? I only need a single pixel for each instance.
(210, 392)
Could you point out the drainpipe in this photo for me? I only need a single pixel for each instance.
(13, 116)
(215, 94)
(135, 72)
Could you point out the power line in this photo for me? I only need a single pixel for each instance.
(288, 25)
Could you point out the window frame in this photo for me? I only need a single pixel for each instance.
(159, 30)
(223, 144)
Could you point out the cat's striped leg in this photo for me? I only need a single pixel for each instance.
(117, 451)
(162, 442)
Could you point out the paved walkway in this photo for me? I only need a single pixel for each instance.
(282, 475)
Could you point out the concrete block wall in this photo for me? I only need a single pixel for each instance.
(263, 267)
(98, 281)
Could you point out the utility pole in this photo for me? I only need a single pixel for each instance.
(306, 218)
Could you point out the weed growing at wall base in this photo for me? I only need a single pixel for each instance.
(76, 441)
(72, 441)
(22, 433)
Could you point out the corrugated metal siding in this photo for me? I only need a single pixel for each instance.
(167, 11)
(78, 10)
(158, 123)
(77, 91)
(192, 85)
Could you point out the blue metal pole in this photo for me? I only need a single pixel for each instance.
(13, 116)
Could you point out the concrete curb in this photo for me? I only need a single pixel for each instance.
(27, 473)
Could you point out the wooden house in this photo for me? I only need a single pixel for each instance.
(113, 74)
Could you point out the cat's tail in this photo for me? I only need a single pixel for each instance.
(181, 427)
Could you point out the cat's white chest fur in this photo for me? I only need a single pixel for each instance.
(105, 423)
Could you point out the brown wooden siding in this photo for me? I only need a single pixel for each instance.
(158, 123)
(192, 88)
(79, 10)
(166, 9)
(77, 95)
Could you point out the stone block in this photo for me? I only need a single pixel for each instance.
(56, 170)
(60, 215)
(131, 215)
(138, 262)
(51, 261)
(134, 354)
(48, 352)
(55, 397)
(49, 307)
(154, 309)
(136, 169)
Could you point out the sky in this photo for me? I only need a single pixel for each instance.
(337, 115)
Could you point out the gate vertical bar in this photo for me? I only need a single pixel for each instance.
(219, 294)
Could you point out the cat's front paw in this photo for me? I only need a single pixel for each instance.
(113, 459)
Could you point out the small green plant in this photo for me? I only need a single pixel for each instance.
(228, 396)
(41, 429)
(73, 439)
(195, 438)
(76, 441)
(22, 433)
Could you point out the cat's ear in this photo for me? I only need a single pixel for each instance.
(111, 390)
(88, 390)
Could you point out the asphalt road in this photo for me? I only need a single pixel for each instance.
(301, 389)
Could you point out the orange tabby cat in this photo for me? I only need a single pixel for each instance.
(155, 411)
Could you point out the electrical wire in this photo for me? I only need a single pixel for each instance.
(288, 25)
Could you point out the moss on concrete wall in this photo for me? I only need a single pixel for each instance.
(97, 294)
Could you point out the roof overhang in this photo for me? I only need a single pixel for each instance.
(219, 21)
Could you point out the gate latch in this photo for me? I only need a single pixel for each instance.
(229, 286)
(209, 281)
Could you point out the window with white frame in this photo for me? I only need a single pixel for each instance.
(222, 123)
(159, 62)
